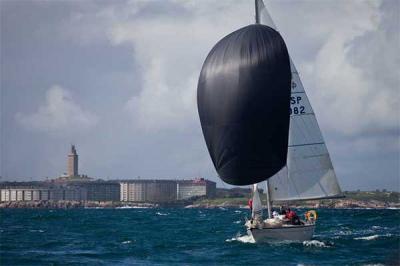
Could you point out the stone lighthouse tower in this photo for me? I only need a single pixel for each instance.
(72, 167)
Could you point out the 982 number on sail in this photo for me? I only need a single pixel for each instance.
(298, 109)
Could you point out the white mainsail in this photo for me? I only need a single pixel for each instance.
(256, 212)
(309, 173)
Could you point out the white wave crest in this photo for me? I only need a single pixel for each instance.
(238, 211)
(126, 242)
(314, 243)
(34, 231)
(236, 222)
(161, 213)
(132, 207)
(243, 239)
(344, 233)
(367, 237)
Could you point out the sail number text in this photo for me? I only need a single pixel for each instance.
(296, 106)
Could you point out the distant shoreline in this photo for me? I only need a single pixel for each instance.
(204, 204)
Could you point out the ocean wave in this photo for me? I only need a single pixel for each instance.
(344, 233)
(238, 211)
(367, 237)
(237, 222)
(132, 207)
(243, 239)
(162, 213)
(36, 231)
(127, 242)
(314, 243)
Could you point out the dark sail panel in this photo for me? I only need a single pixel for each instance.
(243, 99)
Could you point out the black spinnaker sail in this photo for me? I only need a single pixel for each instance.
(243, 99)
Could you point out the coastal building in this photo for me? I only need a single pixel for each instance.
(148, 190)
(70, 187)
(21, 194)
(151, 190)
(85, 190)
(101, 190)
(72, 163)
(40, 194)
(89, 191)
(197, 187)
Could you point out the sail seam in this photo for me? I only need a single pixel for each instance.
(335, 196)
(316, 143)
(303, 114)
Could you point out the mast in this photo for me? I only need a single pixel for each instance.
(266, 182)
(257, 12)
(268, 200)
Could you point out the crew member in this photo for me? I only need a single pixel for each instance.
(282, 210)
(251, 204)
(292, 217)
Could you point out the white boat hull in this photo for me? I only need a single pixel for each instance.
(288, 233)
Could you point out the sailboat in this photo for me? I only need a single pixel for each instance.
(298, 169)
(308, 174)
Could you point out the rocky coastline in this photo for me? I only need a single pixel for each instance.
(334, 204)
(331, 204)
(72, 204)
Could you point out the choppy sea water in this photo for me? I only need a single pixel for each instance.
(166, 236)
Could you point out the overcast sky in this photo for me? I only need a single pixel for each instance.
(119, 78)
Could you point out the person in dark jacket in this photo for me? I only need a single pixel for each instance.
(282, 210)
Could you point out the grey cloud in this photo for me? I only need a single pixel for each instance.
(59, 114)
(135, 65)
